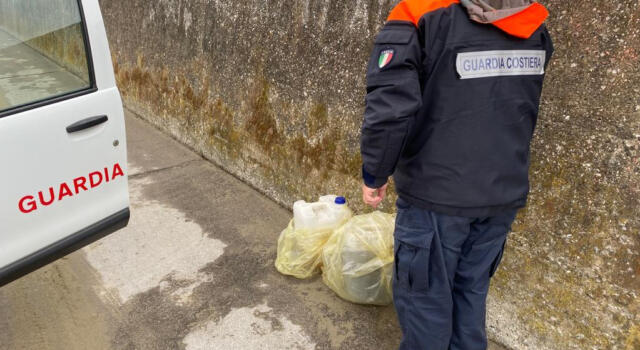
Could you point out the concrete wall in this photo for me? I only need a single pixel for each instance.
(52, 27)
(273, 92)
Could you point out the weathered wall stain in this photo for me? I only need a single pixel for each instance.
(273, 92)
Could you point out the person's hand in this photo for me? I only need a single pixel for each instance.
(373, 196)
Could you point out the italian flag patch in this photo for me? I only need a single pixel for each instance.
(385, 58)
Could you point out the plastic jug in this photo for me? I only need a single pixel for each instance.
(329, 212)
(300, 244)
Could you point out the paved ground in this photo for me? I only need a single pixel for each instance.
(194, 270)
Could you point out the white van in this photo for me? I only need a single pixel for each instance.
(63, 159)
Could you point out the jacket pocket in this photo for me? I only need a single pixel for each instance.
(412, 252)
(390, 36)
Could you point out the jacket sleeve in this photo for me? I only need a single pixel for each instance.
(393, 98)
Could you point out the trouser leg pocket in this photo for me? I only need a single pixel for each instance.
(412, 256)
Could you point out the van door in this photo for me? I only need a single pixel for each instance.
(63, 161)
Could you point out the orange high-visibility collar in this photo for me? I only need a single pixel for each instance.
(522, 24)
(413, 10)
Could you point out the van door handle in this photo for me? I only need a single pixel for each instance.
(87, 123)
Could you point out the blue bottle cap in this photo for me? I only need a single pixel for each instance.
(341, 200)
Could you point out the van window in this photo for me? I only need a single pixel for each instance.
(42, 51)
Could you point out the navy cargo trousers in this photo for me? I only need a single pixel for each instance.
(442, 269)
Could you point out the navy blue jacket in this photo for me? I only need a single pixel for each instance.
(452, 105)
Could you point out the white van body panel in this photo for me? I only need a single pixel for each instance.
(39, 156)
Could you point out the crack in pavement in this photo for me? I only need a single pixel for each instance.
(159, 170)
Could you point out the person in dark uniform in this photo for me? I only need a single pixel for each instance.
(453, 90)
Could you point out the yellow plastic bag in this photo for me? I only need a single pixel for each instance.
(299, 251)
(358, 259)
